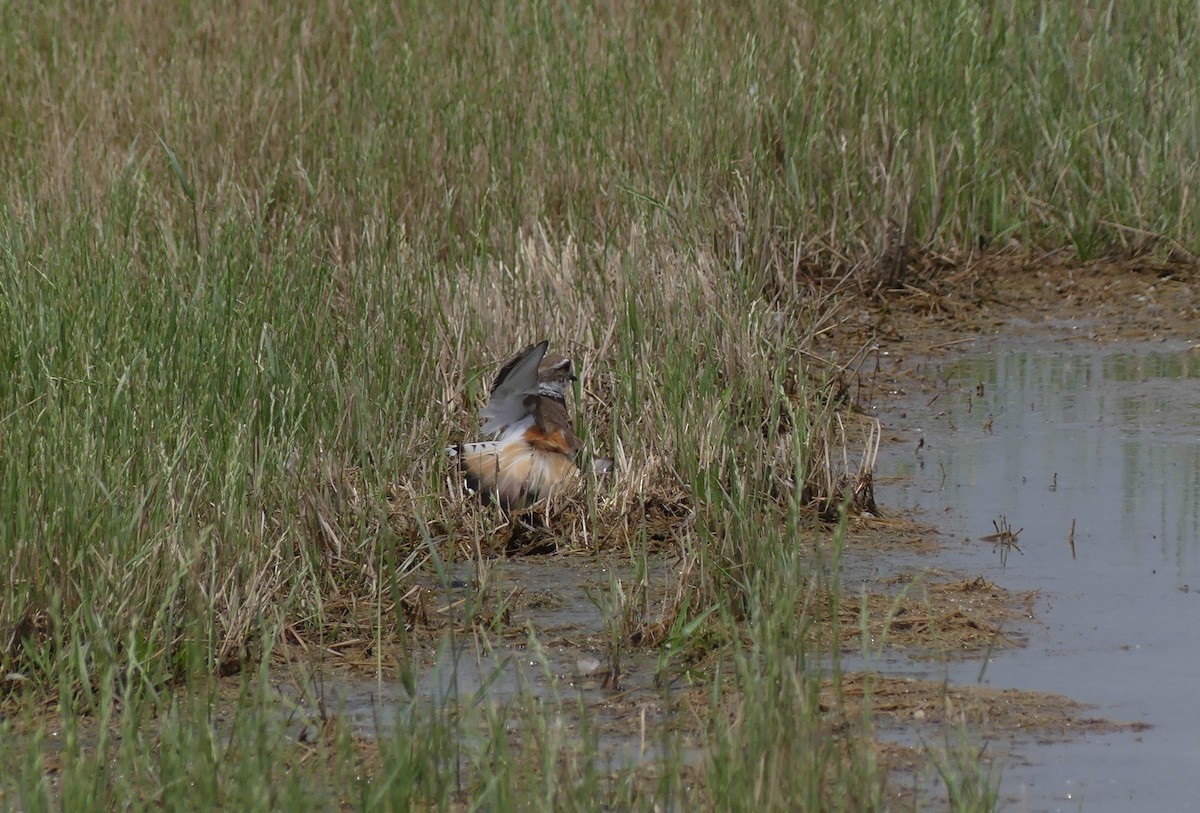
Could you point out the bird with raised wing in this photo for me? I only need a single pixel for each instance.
(531, 455)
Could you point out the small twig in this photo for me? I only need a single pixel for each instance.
(951, 344)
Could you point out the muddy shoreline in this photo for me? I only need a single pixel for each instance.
(1047, 409)
(552, 641)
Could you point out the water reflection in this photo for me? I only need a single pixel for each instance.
(1107, 441)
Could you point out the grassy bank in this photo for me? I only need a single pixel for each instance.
(256, 269)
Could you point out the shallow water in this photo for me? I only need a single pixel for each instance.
(1105, 440)
(561, 598)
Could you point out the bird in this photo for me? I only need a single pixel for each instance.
(531, 454)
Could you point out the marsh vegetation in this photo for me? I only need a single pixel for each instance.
(258, 266)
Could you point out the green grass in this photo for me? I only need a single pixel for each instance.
(255, 269)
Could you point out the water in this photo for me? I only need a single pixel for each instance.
(562, 599)
(1107, 441)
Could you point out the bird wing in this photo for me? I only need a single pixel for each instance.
(515, 393)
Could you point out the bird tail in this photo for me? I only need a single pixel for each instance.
(512, 472)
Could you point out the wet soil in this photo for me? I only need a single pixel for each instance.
(942, 301)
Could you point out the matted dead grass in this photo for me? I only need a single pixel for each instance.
(1046, 716)
(888, 534)
(929, 614)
